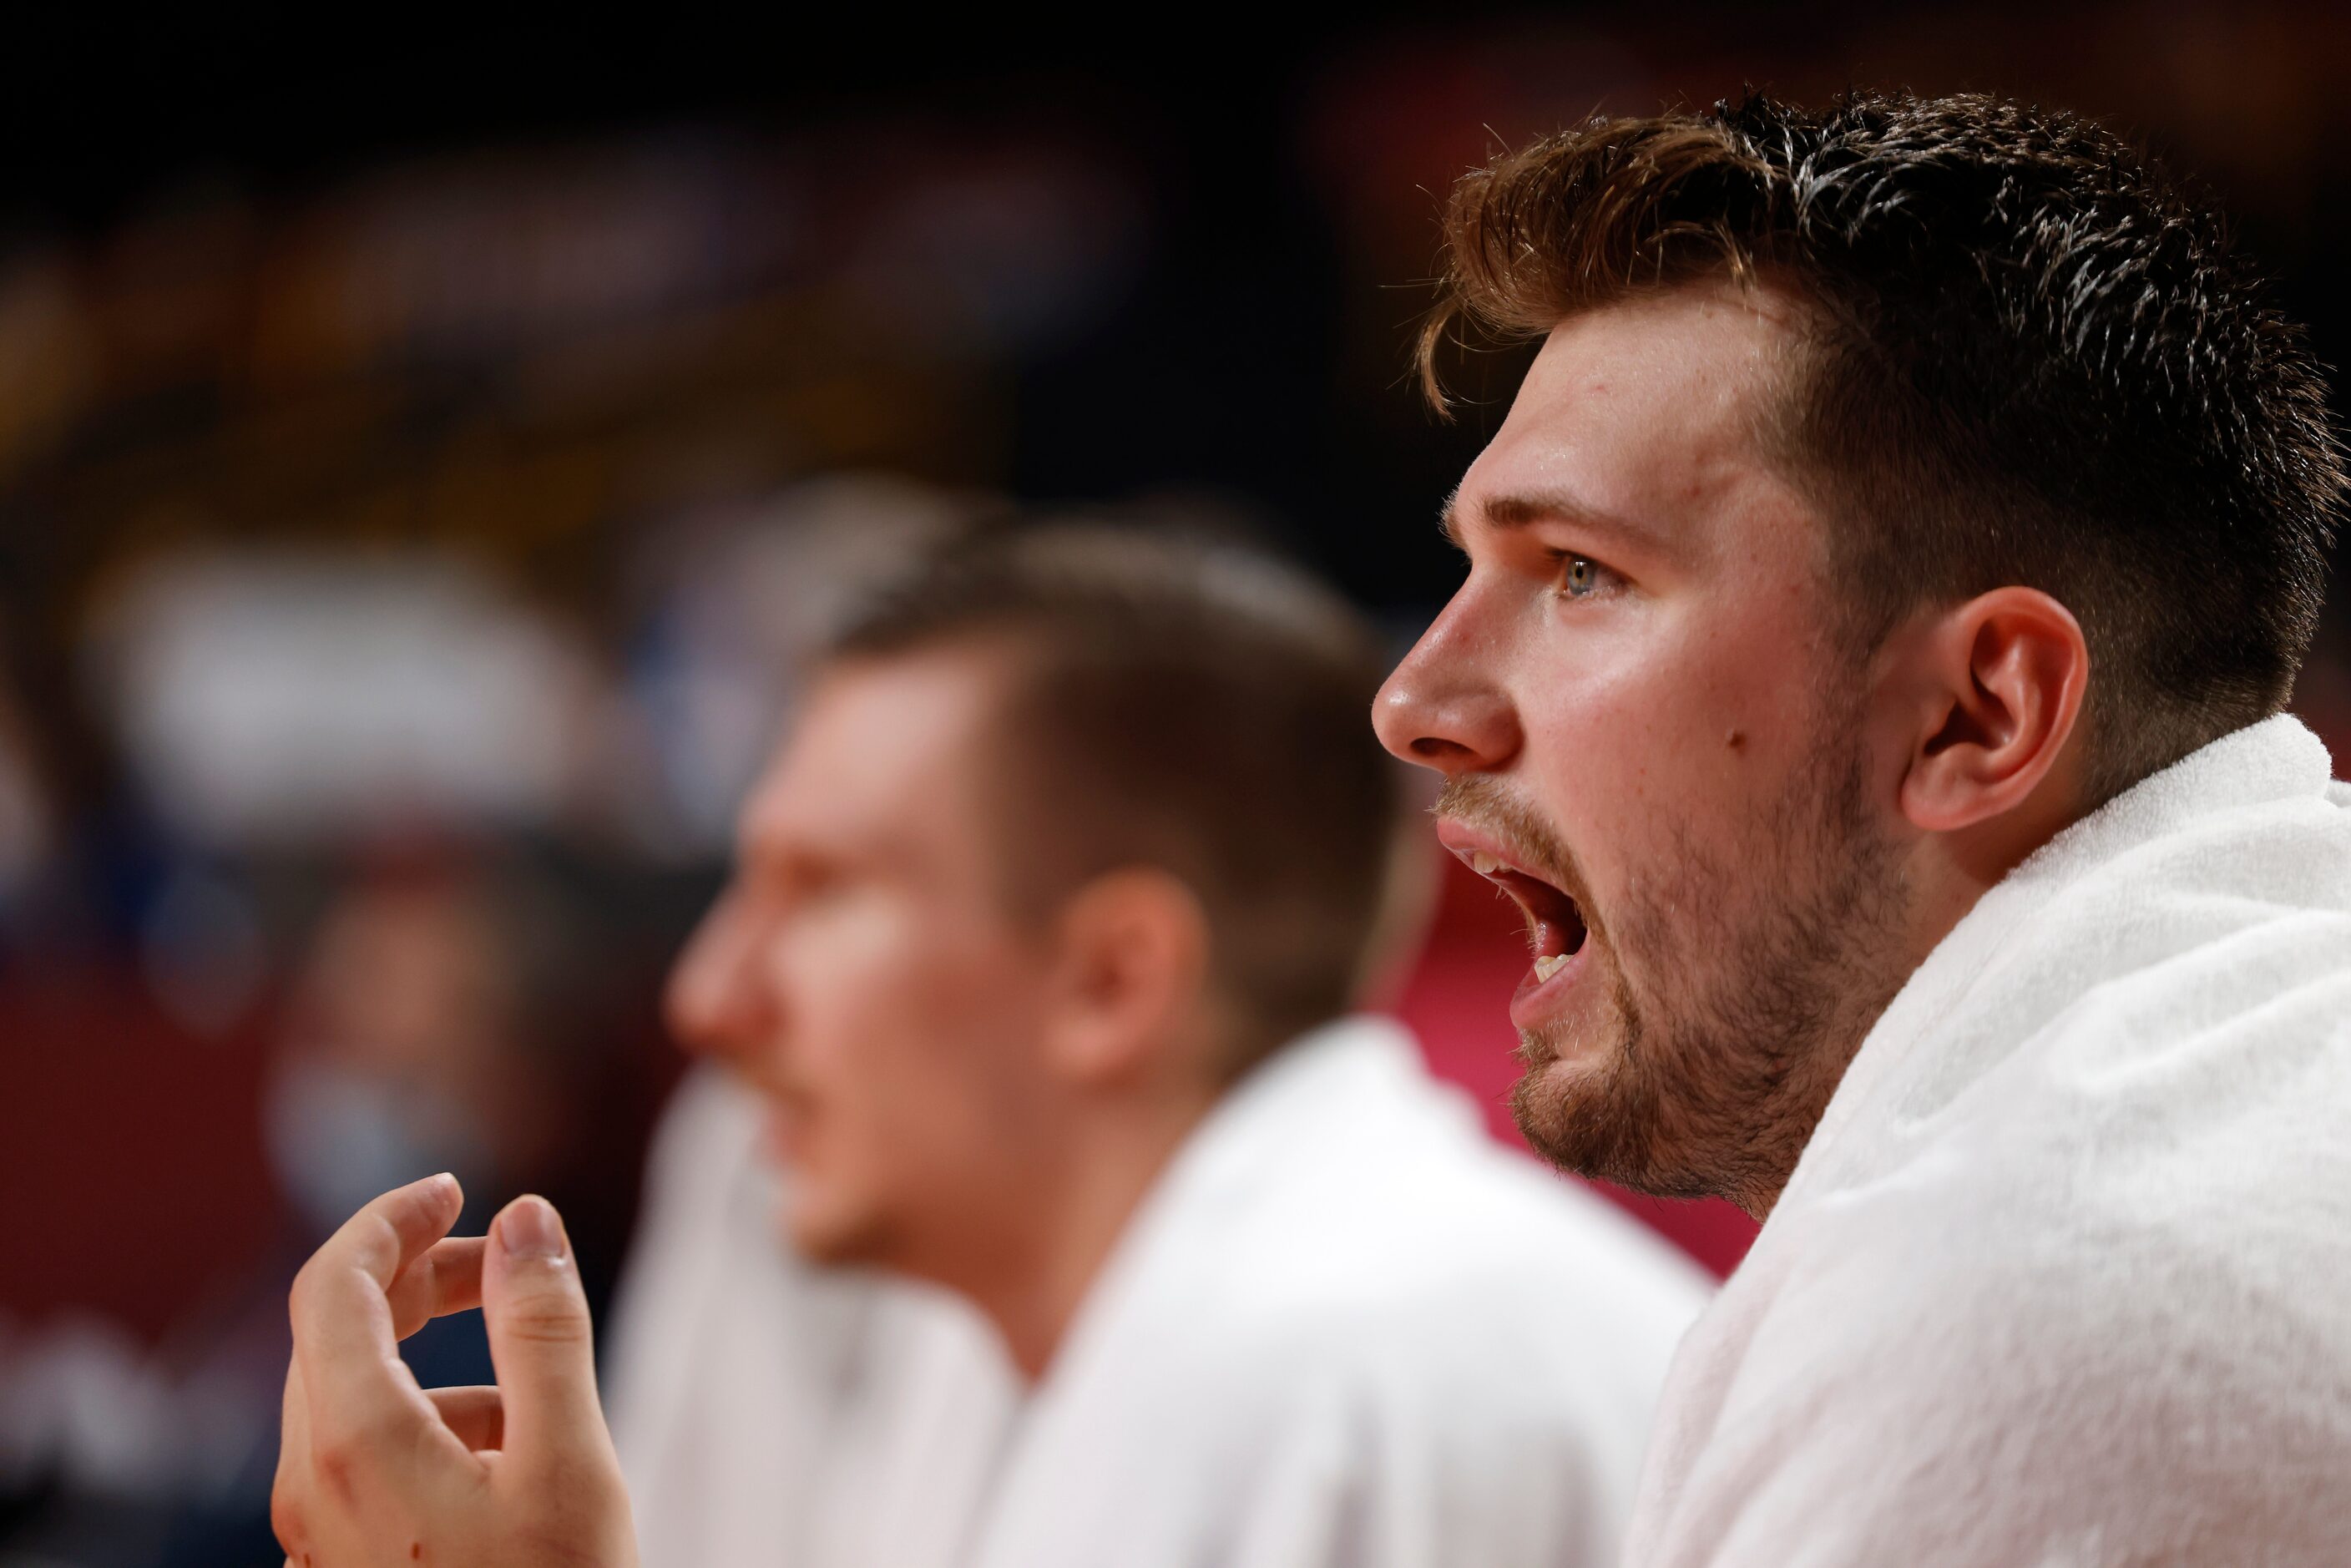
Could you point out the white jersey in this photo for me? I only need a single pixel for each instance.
(2064, 1275)
(1347, 1328)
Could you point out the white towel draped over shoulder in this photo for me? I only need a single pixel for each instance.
(2064, 1276)
(1346, 1330)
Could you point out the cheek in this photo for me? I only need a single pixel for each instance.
(838, 967)
(895, 1017)
(1672, 729)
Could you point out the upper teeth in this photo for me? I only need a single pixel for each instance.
(1546, 968)
(1483, 864)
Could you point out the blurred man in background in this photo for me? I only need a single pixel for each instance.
(1883, 597)
(1046, 924)
(768, 1409)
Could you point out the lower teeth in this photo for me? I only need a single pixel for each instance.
(1546, 968)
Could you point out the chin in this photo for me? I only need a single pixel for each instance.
(1587, 1107)
(1576, 1100)
(835, 1234)
(1567, 1105)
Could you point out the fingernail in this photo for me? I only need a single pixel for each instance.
(529, 1228)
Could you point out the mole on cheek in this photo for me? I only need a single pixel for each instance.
(1736, 740)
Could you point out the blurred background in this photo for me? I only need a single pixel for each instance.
(420, 455)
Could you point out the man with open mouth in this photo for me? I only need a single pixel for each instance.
(1883, 598)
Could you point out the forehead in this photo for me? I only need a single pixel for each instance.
(1644, 407)
(884, 751)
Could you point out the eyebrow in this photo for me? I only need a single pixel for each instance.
(1506, 513)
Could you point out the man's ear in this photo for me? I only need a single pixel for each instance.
(1130, 979)
(2001, 681)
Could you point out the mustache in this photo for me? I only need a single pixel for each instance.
(1484, 802)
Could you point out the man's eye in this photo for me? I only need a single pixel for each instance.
(1580, 576)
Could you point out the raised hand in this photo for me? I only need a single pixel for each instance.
(373, 1469)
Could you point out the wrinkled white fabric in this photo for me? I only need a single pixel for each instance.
(1349, 1331)
(2064, 1275)
(773, 1415)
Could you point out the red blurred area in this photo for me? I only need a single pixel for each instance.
(130, 1152)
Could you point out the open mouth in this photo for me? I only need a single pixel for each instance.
(1555, 928)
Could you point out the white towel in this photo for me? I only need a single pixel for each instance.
(1346, 1330)
(2064, 1276)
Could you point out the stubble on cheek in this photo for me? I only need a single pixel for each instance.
(1759, 982)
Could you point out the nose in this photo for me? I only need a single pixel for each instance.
(1441, 707)
(717, 1002)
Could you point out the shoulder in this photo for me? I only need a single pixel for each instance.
(1964, 1396)
(1447, 1226)
(1349, 1175)
(1355, 1241)
(1447, 1297)
(2042, 1339)
(1476, 1406)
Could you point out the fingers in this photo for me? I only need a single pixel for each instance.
(540, 1341)
(476, 1415)
(446, 1279)
(340, 1304)
(359, 1396)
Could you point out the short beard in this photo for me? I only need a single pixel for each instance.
(1718, 1079)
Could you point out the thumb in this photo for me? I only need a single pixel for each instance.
(540, 1340)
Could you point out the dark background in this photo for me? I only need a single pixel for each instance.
(561, 309)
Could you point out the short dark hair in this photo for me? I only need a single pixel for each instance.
(2031, 360)
(1187, 703)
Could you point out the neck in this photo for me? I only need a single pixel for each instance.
(1033, 1287)
(1950, 873)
